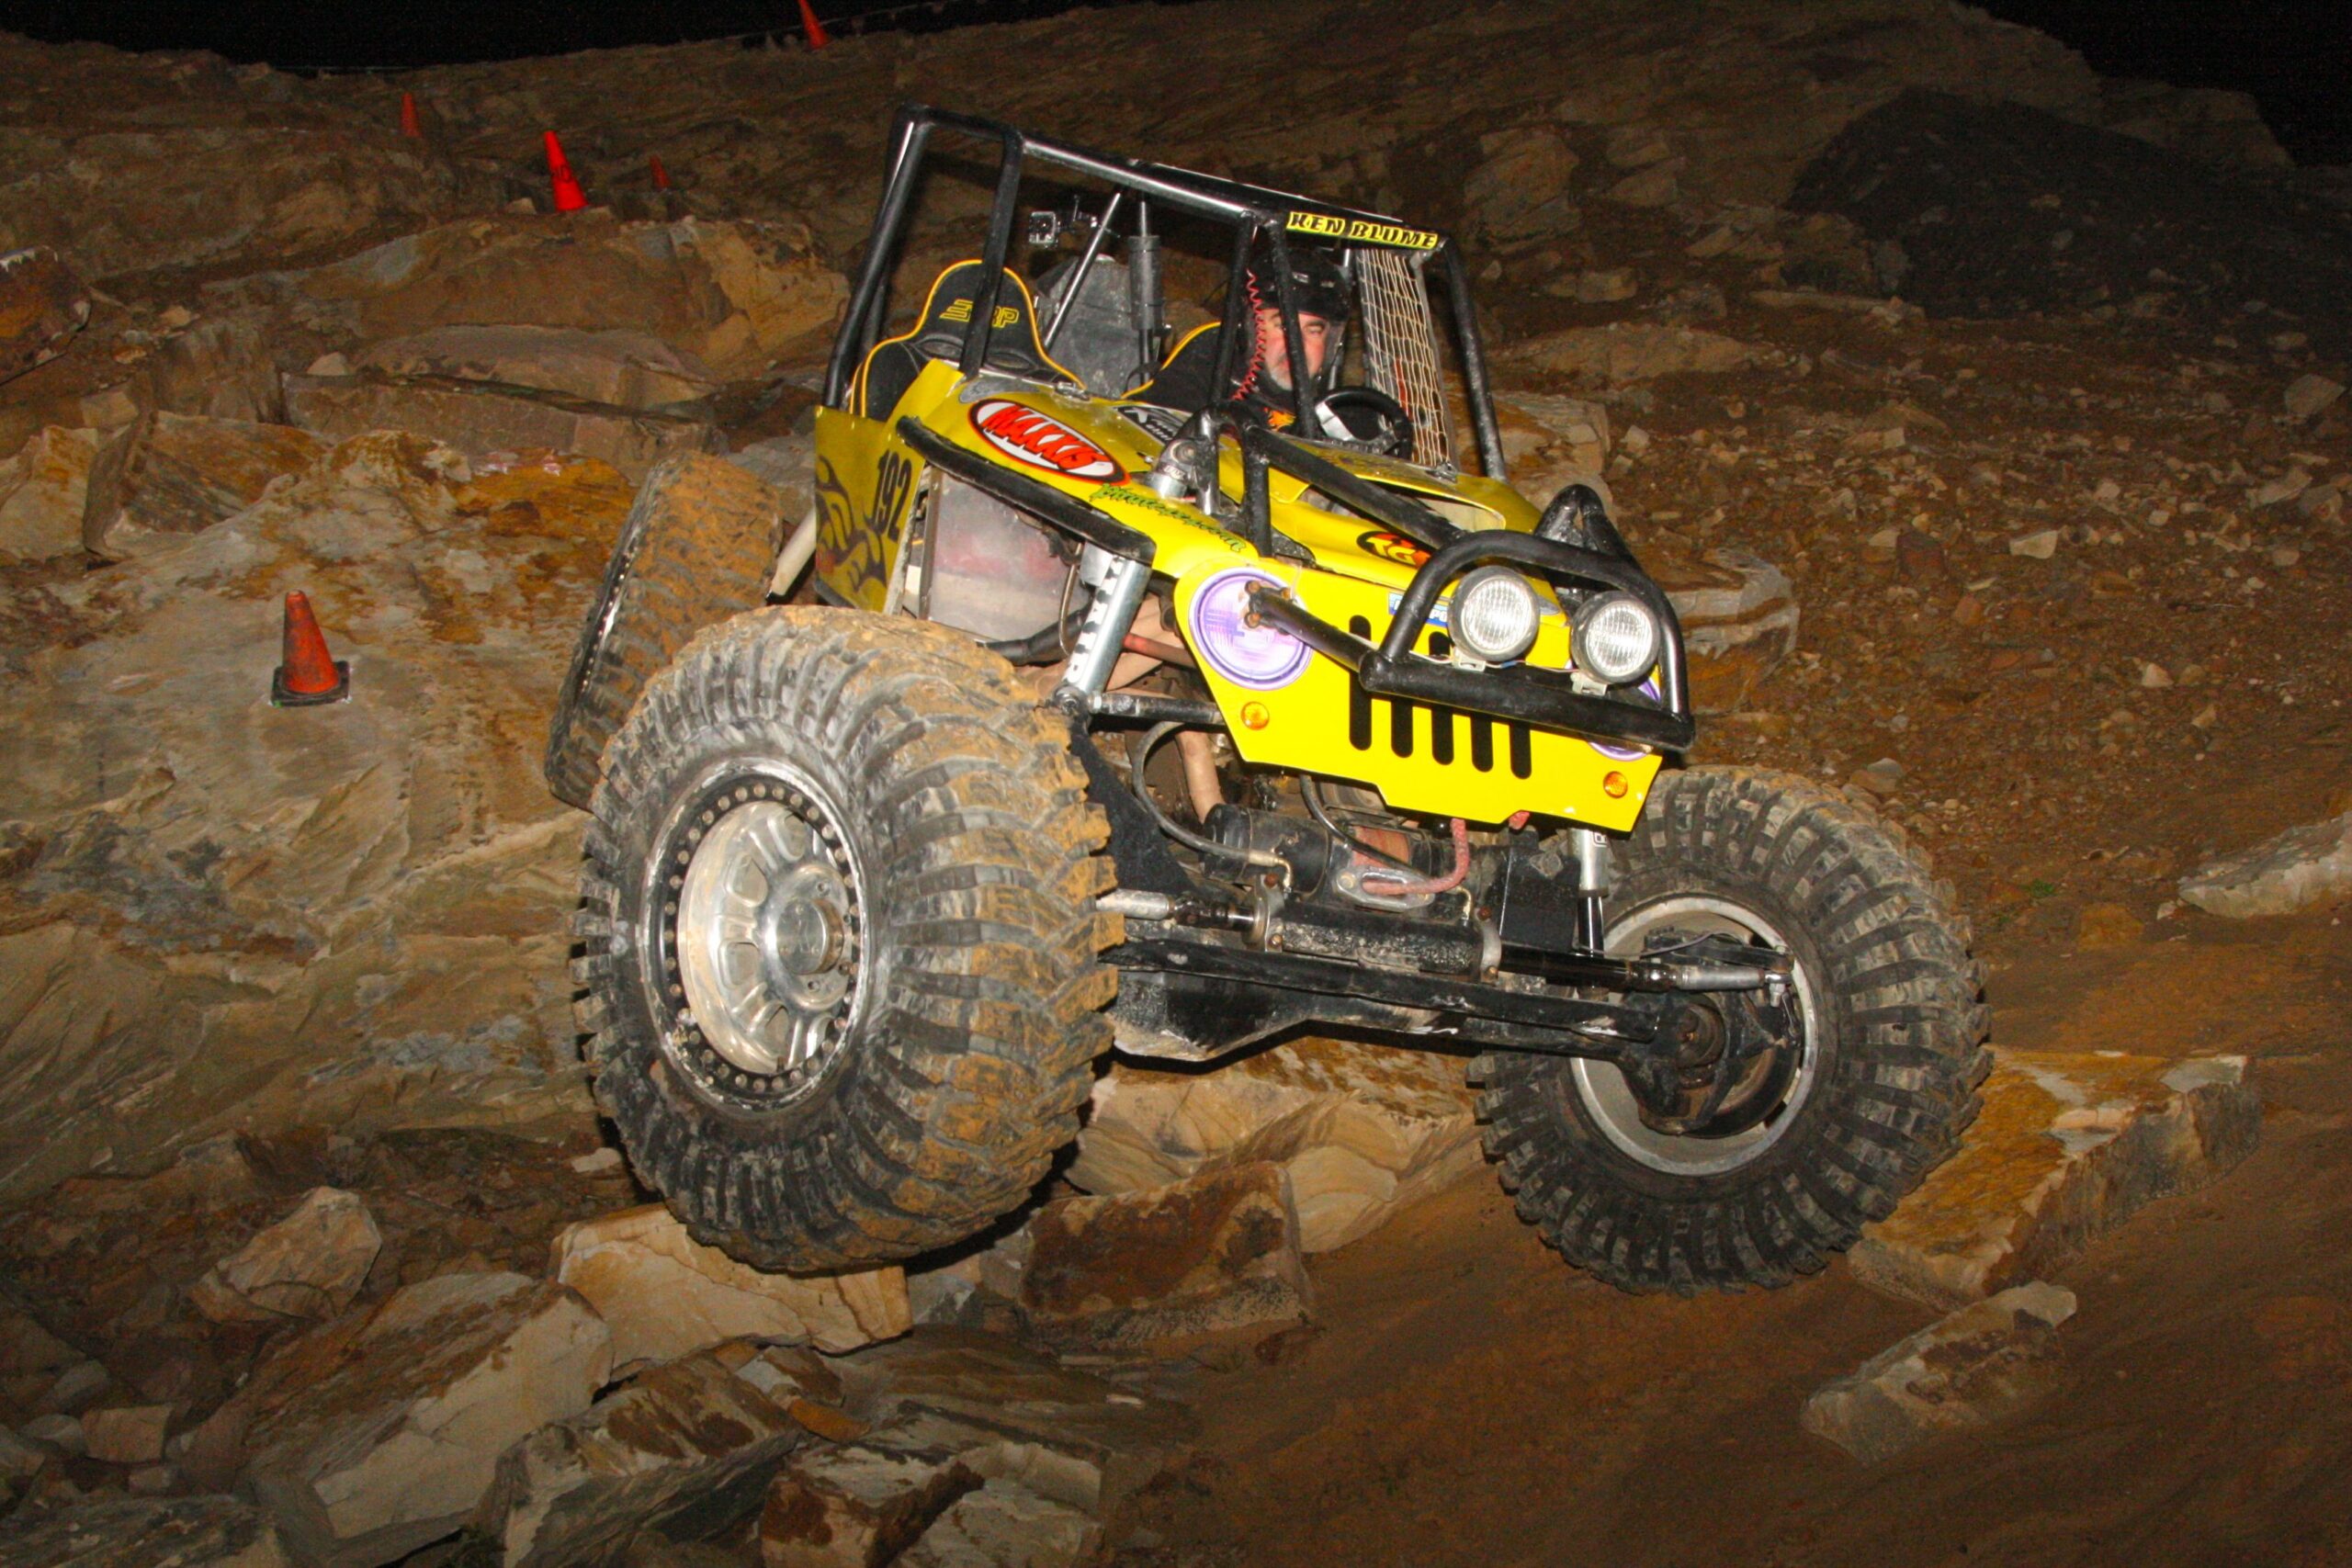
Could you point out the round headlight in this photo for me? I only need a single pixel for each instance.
(1615, 638)
(1494, 614)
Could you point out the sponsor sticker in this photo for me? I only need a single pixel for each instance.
(1392, 548)
(961, 310)
(1361, 232)
(1044, 441)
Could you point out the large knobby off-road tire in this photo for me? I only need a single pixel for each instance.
(1893, 1019)
(699, 545)
(840, 938)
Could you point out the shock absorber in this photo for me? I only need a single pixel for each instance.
(1119, 585)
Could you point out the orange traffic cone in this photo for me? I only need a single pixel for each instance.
(308, 674)
(661, 174)
(812, 26)
(569, 197)
(409, 124)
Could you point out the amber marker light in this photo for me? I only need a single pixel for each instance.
(1614, 786)
(1255, 717)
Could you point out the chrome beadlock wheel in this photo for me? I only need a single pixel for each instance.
(760, 938)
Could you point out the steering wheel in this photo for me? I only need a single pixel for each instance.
(1392, 437)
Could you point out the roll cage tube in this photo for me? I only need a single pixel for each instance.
(1250, 209)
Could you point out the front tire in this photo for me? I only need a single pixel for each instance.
(841, 938)
(1890, 1051)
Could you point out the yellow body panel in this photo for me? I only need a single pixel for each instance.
(1441, 761)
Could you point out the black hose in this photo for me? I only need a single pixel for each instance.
(1047, 645)
(1138, 752)
(1312, 793)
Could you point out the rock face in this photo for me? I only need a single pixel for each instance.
(1981, 1364)
(666, 1295)
(380, 1432)
(2067, 1147)
(310, 1264)
(171, 475)
(1005, 1525)
(180, 1532)
(1360, 1130)
(130, 1434)
(2301, 867)
(1213, 1252)
(689, 1440)
(275, 903)
(478, 419)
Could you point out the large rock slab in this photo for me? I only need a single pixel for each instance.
(218, 916)
(736, 296)
(169, 474)
(127, 1532)
(43, 490)
(1977, 1365)
(616, 366)
(479, 418)
(1005, 1525)
(2301, 867)
(1002, 1409)
(1359, 1129)
(1214, 1252)
(381, 1431)
(687, 1448)
(2067, 1147)
(308, 1265)
(666, 1295)
(218, 366)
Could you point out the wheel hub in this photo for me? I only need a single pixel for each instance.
(761, 939)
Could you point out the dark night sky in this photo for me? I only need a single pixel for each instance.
(2294, 56)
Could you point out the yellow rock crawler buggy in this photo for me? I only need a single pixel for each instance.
(1184, 727)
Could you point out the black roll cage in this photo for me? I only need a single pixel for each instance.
(1254, 211)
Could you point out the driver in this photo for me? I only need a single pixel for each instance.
(1261, 391)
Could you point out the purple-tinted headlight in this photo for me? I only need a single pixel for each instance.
(1261, 657)
(1649, 688)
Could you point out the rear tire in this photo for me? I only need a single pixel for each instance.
(1894, 1048)
(840, 938)
(699, 546)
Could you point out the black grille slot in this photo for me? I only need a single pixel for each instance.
(1482, 743)
(1359, 701)
(1523, 751)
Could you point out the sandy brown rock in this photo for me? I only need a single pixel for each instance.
(1976, 1366)
(479, 418)
(42, 305)
(130, 1434)
(218, 366)
(1739, 616)
(170, 474)
(627, 370)
(1359, 1129)
(308, 1265)
(1213, 1252)
(380, 1432)
(2067, 1147)
(666, 1295)
(43, 490)
(182, 1532)
(2301, 867)
(687, 1448)
(1005, 1525)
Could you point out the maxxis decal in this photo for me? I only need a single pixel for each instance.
(1044, 441)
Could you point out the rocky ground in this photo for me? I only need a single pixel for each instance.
(1986, 416)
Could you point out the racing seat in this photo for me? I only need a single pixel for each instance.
(892, 365)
